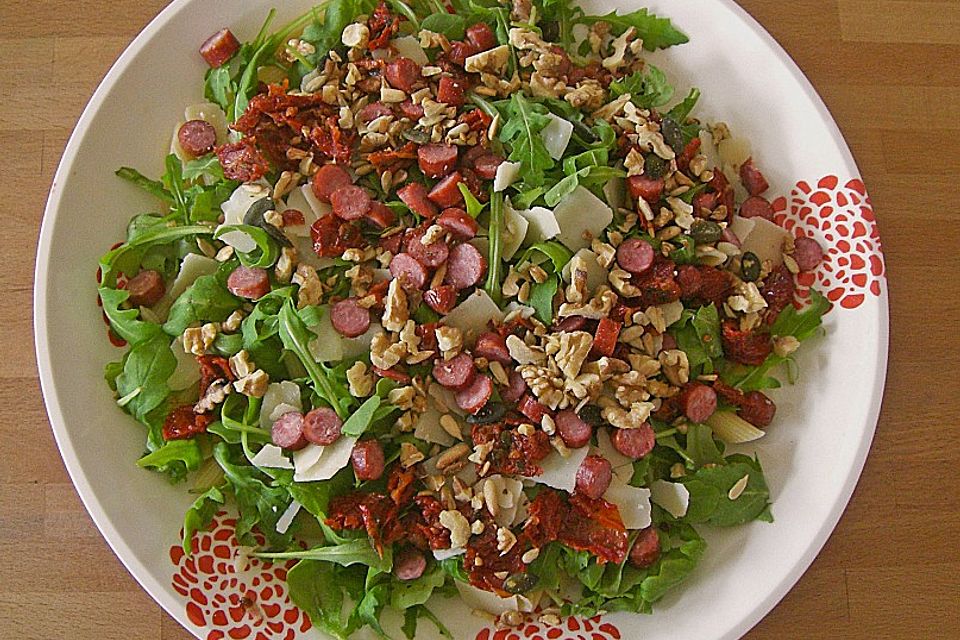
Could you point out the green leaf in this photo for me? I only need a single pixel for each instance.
(701, 447)
(521, 134)
(474, 207)
(153, 187)
(200, 514)
(314, 587)
(185, 451)
(451, 25)
(219, 87)
(558, 254)
(495, 235)
(126, 258)
(258, 503)
(541, 298)
(206, 167)
(409, 593)
(356, 551)
(360, 420)
(454, 567)
(206, 300)
(681, 111)
(709, 489)
(647, 90)
(672, 568)
(656, 33)
(125, 322)
(267, 251)
(698, 335)
(143, 384)
(296, 338)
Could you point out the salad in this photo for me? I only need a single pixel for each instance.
(457, 299)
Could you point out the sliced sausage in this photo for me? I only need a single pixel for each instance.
(634, 443)
(570, 324)
(219, 48)
(594, 477)
(455, 373)
(437, 160)
(646, 549)
(367, 459)
(429, 255)
(635, 255)
(409, 564)
(349, 318)
(416, 196)
(486, 165)
(197, 137)
(605, 339)
(530, 407)
(411, 274)
(481, 36)
(446, 193)
(807, 252)
(458, 222)
(402, 73)
(492, 346)
(242, 161)
(698, 402)
(572, 429)
(756, 207)
(287, 431)
(752, 179)
(373, 111)
(474, 396)
(441, 299)
(646, 187)
(350, 202)
(451, 91)
(465, 266)
(249, 282)
(729, 236)
(515, 390)
(380, 215)
(328, 179)
(391, 243)
(460, 51)
(757, 409)
(410, 110)
(146, 288)
(322, 426)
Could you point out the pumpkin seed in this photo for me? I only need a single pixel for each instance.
(705, 231)
(750, 267)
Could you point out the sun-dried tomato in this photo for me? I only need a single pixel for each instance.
(513, 452)
(382, 25)
(183, 423)
(595, 526)
(777, 290)
(476, 119)
(400, 485)
(331, 236)
(703, 285)
(387, 158)
(658, 285)
(438, 536)
(374, 512)
(213, 368)
(683, 160)
(746, 347)
(722, 187)
(475, 184)
(547, 511)
(330, 140)
(492, 561)
(242, 161)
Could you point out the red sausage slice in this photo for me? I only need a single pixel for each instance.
(410, 273)
(219, 48)
(373, 111)
(410, 110)
(575, 432)
(515, 390)
(481, 36)
(698, 401)
(570, 324)
(594, 477)
(645, 187)
(752, 179)
(437, 160)
(146, 288)
(455, 373)
(350, 202)
(409, 564)
(635, 255)
(646, 549)
(486, 165)
(429, 255)
(756, 207)
(349, 318)
(367, 459)
(465, 266)
(328, 179)
(380, 215)
(634, 443)
(197, 137)
(605, 340)
(458, 222)
(807, 252)
(415, 196)
(492, 346)
(287, 431)
(446, 193)
(757, 409)
(402, 73)
(441, 299)
(249, 282)
(530, 407)
(451, 90)
(474, 396)
(322, 426)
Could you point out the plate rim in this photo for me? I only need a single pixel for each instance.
(102, 520)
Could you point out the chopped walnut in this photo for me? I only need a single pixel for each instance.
(241, 365)
(615, 60)
(505, 540)
(253, 385)
(384, 353)
(216, 393)
(599, 307)
(409, 455)
(606, 254)
(572, 349)
(747, 299)
(633, 419)
(355, 34)
(285, 264)
(523, 353)
(449, 341)
(675, 366)
(198, 340)
(620, 279)
(588, 95)
(360, 380)
(457, 525)
(396, 312)
(783, 346)
(311, 289)
(402, 397)
(232, 323)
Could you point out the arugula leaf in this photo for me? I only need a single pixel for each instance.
(354, 551)
(206, 300)
(219, 87)
(681, 111)
(173, 181)
(125, 322)
(258, 503)
(558, 254)
(186, 452)
(143, 384)
(587, 177)
(656, 33)
(709, 491)
(521, 134)
(200, 514)
(451, 25)
(206, 167)
(367, 611)
(360, 420)
(474, 206)
(673, 567)
(698, 335)
(314, 587)
(495, 236)
(410, 593)
(701, 447)
(153, 187)
(647, 90)
(541, 298)
(453, 567)
(126, 258)
(266, 253)
(296, 338)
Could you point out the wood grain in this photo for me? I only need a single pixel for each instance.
(888, 71)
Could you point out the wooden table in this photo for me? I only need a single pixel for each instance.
(888, 71)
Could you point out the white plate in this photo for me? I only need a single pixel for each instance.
(813, 454)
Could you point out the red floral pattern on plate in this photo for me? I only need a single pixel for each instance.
(570, 629)
(226, 604)
(841, 218)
